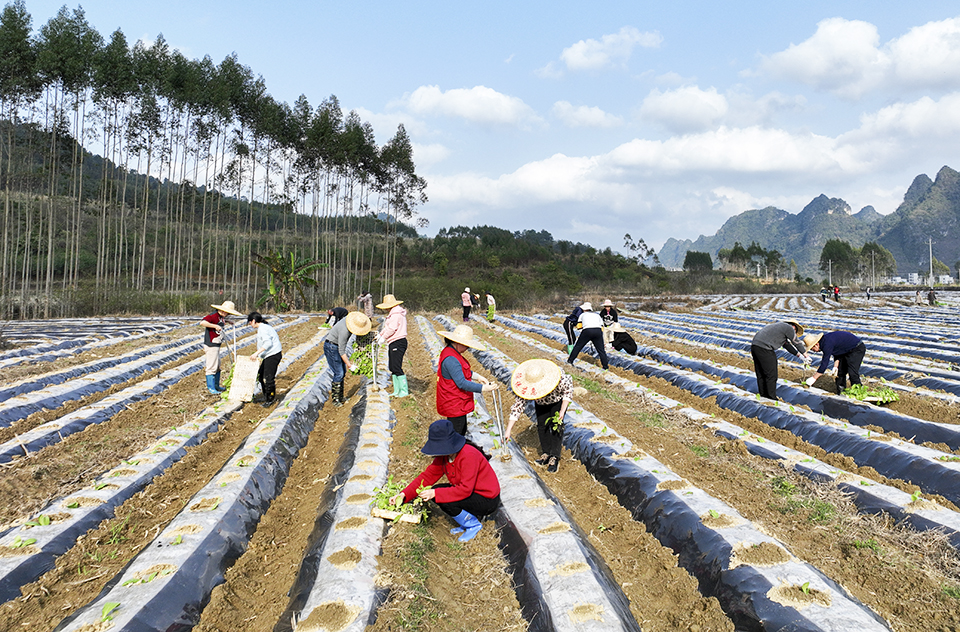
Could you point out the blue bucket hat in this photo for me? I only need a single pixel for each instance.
(442, 439)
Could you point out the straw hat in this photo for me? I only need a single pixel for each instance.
(617, 328)
(462, 334)
(227, 307)
(442, 439)
(389, 300)
(796, 326)
(587, 307)
(358, 323)
(466, 289)
(534, 379)
(607, 303)
(811, 339)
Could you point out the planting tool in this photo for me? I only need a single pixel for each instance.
(373, 357)
(498, 417)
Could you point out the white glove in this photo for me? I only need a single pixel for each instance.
(806, 359)
(486, 388)
(809, 381)
(354, 369)
(381, 340)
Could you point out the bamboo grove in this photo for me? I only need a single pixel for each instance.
(131, 171)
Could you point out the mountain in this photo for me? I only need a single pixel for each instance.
(930, 209)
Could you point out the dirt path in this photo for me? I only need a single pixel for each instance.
(902, 575)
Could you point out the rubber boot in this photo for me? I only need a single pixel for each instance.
(396, 387)
(569, 349)
(841, 386)
(469, 526)
(211, 385)
(402, 383)
(336, 393)
(216, 382)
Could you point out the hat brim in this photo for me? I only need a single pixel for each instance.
(389, 305)
(226, 309)
(467, 343)
(527, 390)
(796, 326)
(449, 445)
(353, 328)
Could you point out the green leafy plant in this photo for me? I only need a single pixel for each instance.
(805, 588)
(19, 543)
(554, 423)
(383, 495)
(362, 355)
(881, 395)
(108, 609)
(915, 496)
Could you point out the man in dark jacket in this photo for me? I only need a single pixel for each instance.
(845, 348)
(764, 351)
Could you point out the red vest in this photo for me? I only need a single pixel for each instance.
(451, 401)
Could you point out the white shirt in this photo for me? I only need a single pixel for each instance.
(268, 342)
(590, 320)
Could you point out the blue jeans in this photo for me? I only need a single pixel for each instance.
(332, 353)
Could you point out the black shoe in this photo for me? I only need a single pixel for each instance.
(543, 459)
(553, 464)
(268, 403)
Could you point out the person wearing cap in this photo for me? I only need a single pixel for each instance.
(212, 338)
(609, 314)
(846, 349)
(393, 333)
(473, 491)
(764, 347)
(622, 341)
(466, 301)
(336, 313)
(570, 326)
(455, 387)
(551, 391)
(335, 350)
(268, 354)
(592, 332)
(491, 307)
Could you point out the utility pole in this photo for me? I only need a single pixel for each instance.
(931, 261)
(873, 266)
(830, 273)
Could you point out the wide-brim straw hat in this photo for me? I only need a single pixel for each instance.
(442, 439)
(608, 303)
(464, 335)
(227, 307)
(358, 323)
(796, 326)
(617, 328)
(535, 378)
(587, 306)
(389, 300)
(811, 339)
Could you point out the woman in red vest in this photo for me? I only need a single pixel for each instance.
(455, 388)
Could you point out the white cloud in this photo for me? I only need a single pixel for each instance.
(584, 116)
(425, 156)
(609, 50)
(385, 123)
(687, 109)
(478, 105)
(845, 57)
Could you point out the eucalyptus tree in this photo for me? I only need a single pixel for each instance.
(404, 191)
(19, 85)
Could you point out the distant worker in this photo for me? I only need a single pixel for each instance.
(393, 333)
(823, 294)
(365, 302)
(592, 332)
(212, 339)
(836, 293)
(609, 313)
(473, 491)
(918, 300)
(455, 386)
(845, 348)
(869, 289)
(570, 326)
(622, 341)
(335, 350)
(335, 314)
(491, 307)
(932, 297)
(551, 391)
(466, 301)
(268, 354)
(764, 347)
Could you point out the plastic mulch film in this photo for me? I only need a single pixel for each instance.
(166, 586)
(562, 583)
(81, 511)
(337, 577)
(712, 540)
(932, 470)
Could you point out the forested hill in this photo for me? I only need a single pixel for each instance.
(930, 210)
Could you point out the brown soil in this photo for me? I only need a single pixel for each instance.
(817, 523)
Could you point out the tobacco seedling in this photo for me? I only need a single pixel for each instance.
(805, 588)
(714, 513)
(177, 540)
(19, 543)
(108, 609)
(915, 496)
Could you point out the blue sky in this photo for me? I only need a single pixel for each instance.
(658, 119)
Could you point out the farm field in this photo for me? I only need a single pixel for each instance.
(133, 500)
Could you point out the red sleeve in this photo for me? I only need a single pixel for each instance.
(212, 318)
(428, 477)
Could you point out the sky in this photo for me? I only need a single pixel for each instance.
(596, 120)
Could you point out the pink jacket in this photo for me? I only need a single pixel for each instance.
(395, 325)
(465, 300)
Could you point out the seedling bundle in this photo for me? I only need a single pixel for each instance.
(876, 395)
(411, 512)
